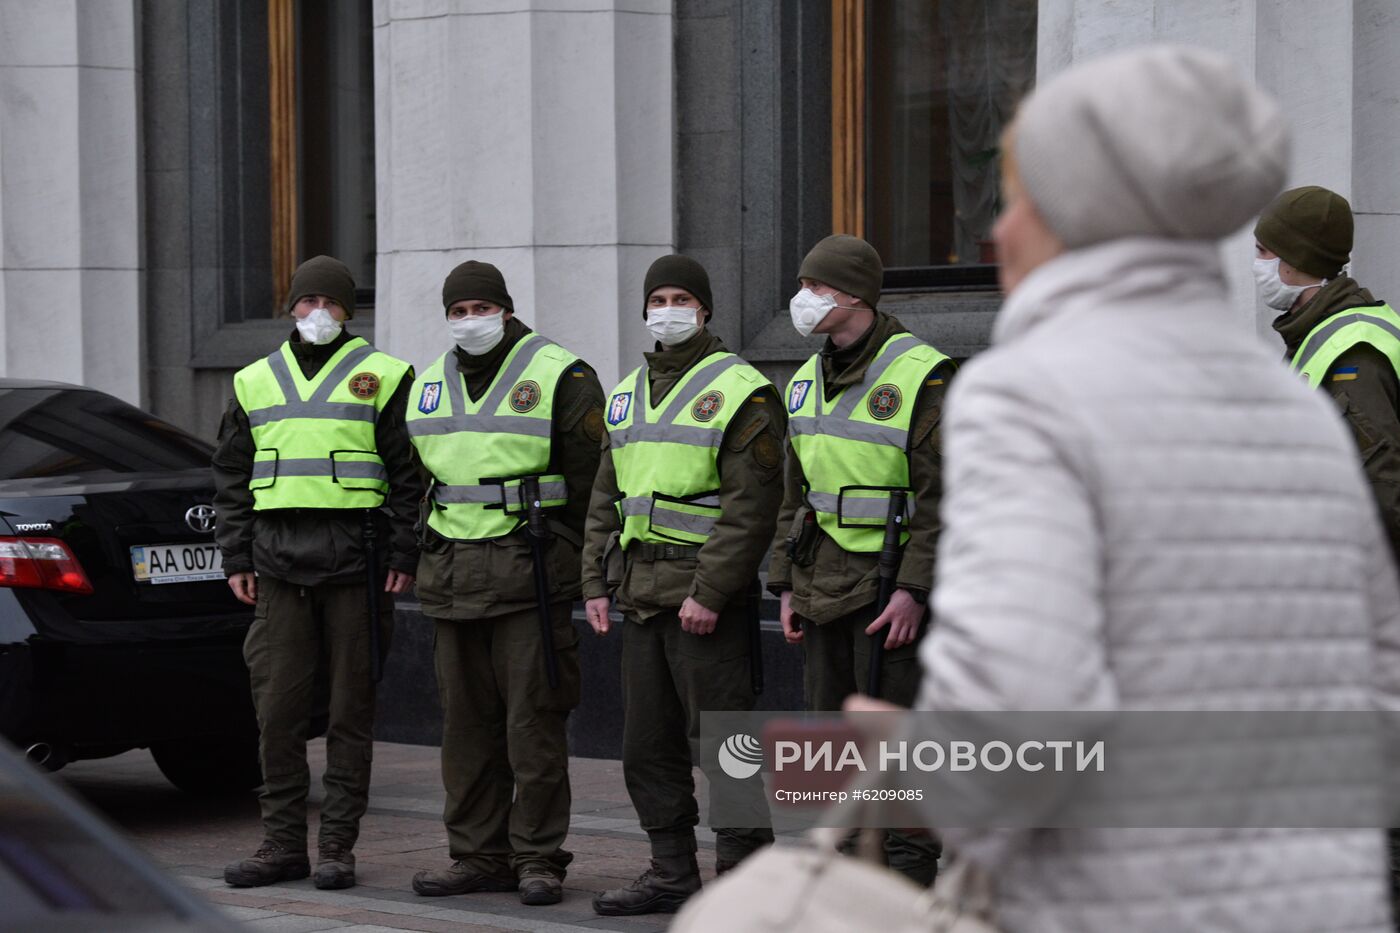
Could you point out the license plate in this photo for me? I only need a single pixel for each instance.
(176, 563)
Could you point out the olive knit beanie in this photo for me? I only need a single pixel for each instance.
(323, 275)
(679, 272)
(476, 281)
(1310, 228)
(847, 263)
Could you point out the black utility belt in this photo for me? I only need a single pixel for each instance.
(644, 550)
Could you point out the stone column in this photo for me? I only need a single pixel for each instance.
(533, 136)
(1333, 64)
(70, 220)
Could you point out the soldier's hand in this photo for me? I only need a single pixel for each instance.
(696, 619)
(245, 587)
(903, 616)
(597, 611)
(792, 625)
(398, 582)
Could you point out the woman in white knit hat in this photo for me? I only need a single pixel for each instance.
(1144, 511)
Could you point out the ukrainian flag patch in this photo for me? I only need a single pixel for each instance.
(1344, 374)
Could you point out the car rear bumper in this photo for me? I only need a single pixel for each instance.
(92, 700)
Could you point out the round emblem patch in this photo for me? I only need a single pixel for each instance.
(525, 396)
(707, 406)
(364, 385)
(884, 402)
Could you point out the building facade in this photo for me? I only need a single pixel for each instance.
(164, 164)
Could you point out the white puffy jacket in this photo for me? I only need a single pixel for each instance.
(1143, 509)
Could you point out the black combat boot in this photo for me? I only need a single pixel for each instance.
(661, 889)
(272, 863)
(335, 868)
(459, 878)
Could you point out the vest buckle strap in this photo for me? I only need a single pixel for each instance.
(858, 506)
(503, 494)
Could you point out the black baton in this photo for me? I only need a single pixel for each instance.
(372, 588)
(537, 533)
(756, 638)
(890, 554)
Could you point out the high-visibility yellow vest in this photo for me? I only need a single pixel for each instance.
(1378, 326)
(667, 455)
(314, 438)
(854, 449)
(479, 452)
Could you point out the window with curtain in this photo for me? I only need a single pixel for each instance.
(281, 147)
(917, 170)
(322, 69)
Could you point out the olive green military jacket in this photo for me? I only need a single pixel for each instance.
(308, 547)
(837, 582)
(1369, 397)
(484, 579)
(750, 464)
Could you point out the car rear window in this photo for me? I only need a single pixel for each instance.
(48, 432)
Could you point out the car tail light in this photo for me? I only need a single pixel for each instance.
(43, 563)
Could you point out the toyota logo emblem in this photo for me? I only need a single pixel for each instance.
(201, 518)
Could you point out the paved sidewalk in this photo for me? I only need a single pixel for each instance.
(402, 833)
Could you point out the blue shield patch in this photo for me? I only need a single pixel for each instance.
(798, 394)
(432, 395)
(619, 407)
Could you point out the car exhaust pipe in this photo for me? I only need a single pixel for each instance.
(50, 757)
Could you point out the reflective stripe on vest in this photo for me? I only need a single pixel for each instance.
(1376, 326)
(854, 448)
(667, 457)
(314, 438)
(479, 452)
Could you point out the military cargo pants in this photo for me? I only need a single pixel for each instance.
(668, 677)
(295, 631)
(505, 752)
(837, 665)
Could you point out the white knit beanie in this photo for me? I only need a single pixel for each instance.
(1157, 141)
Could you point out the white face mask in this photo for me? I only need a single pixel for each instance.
(670, 326)
(318, 327)
(808, 309)
(1273, 290)
(478, 335)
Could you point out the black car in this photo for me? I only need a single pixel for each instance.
(117, 628)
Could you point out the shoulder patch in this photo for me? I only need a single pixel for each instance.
(525, 396)
(430, 397)
(797, 394)
(1344, 374)
(593, 424)
(767, 452)
(619, 407)
(364, 385)
(885, 401)
(707, 406)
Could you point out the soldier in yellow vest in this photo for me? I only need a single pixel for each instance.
(682, 510)
(503, 406)
(312, 452)
(1338, 336)
(863, 420)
